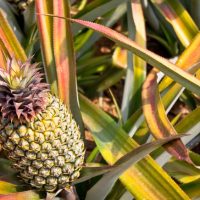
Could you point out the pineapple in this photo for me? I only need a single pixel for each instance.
(21, 4)
(37, 131)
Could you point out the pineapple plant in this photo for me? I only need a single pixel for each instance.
(37, 133)
(24, 136)
(21, 5)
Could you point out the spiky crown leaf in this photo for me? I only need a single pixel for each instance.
(22, 94)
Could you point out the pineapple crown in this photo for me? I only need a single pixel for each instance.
(22, 93)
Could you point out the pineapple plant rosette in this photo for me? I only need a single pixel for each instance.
(38, 133)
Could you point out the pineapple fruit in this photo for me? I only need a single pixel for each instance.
(37, 131)
(21, 4)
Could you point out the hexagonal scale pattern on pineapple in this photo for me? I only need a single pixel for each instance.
(48, 152)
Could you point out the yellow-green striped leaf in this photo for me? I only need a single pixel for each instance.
(145, 179)
(157, 120)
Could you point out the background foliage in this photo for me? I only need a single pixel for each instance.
(95, 52)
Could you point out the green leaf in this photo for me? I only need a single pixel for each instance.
(190, 124)
(111, 77)
(93, 155)
(117, 192)
(103, 187)
(160, 63)
(58, 52)
(182, 171)
(46, 37)
(194, 11)
(90, 171)
(9, 39)
(113, 143)
(87, 64)
(10, 16)
(186, 31)
(7, 173)
(65, 58)
(195, 157)
(179, 18)
(136, 72)
(157, 120)
(109, 20)
(192, 189)
(185, 60)
(31, 40)
(96, 9)
(119, 115)
(170, 97)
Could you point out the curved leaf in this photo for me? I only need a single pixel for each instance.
(182, 171)
(9, 39)
(103, 187)
(191, 125)
(192, 189)
(179, 18)
(162, 64)
(145, 179)
(157, 120)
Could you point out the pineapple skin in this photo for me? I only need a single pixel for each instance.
(47, 152)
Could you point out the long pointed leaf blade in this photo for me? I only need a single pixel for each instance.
(183, 24)
(96, 9)
(65, 58)
(61, 51)
(139, 71)
(188, 58)
(90, 172)
(11, 18)
(136, 71)
(46, 37)
(162, 64)
(145, 180)
(182, 171)
(185, 29)
(100, 190)
(192, 189)
(10, 40)
(191, 125)
(169, 98)
(157, 120)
